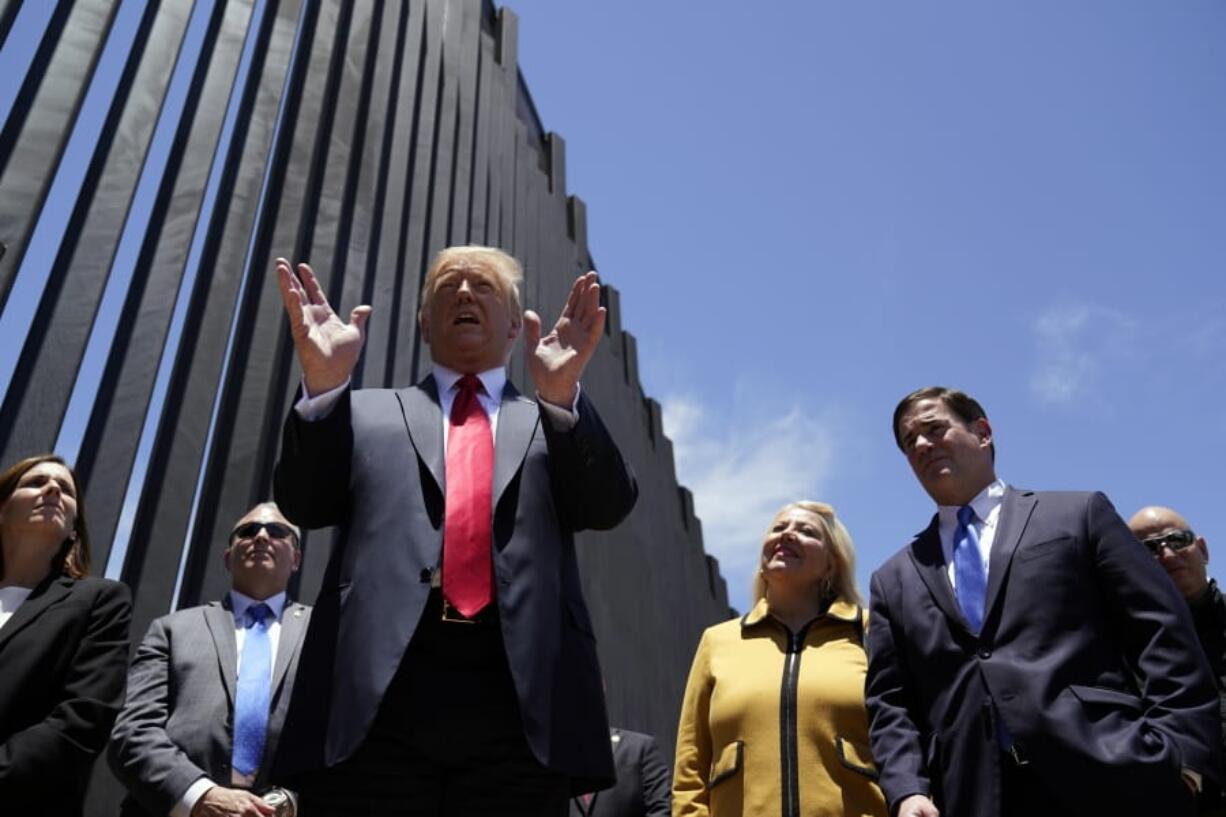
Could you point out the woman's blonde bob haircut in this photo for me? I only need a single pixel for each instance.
(840, 585)
(508, 270)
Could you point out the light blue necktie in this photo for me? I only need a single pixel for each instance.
(251, 700)
(969, 577)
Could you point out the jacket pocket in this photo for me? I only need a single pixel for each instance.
(856, 757)
(727, 764)
(1058, 545)
(1115, 698)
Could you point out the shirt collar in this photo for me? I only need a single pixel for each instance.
(984, 503)
(839, 609)
(494, 380)
(239, 604)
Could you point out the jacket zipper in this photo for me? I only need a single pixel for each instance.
(787, 726)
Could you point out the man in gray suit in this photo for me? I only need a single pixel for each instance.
(209, 687)
(450, 668)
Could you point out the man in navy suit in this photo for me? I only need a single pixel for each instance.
(450, 667)
(1026, 654)
(644, 785)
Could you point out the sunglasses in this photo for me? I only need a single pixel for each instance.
(1176, 540)
(275, 530)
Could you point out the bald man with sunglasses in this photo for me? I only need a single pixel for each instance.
(210, 686)
(1185, 557)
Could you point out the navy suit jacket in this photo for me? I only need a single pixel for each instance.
(375, 467)
(1087, 653)
(644, 784)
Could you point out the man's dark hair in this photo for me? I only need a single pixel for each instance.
(963, 406)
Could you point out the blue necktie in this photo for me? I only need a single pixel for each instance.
(969, 577)
(251, 700)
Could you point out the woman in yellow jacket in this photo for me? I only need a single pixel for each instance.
(773, 721)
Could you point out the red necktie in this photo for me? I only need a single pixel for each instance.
(468, 567)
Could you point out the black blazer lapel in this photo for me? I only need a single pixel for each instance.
(220, 622)
(51, 592)
(423, 417)
(1015, 510)
(293, 625)
(929, 562)
(518, 418)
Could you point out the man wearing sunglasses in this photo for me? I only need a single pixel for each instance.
(1185, 557)
(209, 688)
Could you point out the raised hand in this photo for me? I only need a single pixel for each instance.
(326, 346)
(557, 360)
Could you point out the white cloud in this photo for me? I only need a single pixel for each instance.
(1074, 343)
(741, 475)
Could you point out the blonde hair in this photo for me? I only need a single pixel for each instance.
(503, 265)
(840, 585)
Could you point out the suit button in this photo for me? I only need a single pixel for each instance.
(985, 653)
(425, 575)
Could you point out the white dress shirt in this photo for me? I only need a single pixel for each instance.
(494, 381)
(10, 599)
(238, 609)
(987, 514)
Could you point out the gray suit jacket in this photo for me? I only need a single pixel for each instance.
(375, 468)
(177, 720)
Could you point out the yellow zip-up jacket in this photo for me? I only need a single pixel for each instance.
(773, 723)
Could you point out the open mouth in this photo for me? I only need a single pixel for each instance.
(466, 317)
(781, 551)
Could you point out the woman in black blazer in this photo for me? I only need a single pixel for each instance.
(63, 642)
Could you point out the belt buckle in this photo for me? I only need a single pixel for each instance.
(1019, 759)
(453, 616)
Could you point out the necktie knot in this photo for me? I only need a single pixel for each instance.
(257, 614)
(470, 384)
(966, 515)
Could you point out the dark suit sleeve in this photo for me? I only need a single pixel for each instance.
(896, 739)
(1160, 642)
(654, 774)
(40, 757)
(594, 486)
(144, 758)
(311, 481)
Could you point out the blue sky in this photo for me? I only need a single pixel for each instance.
(811, 208)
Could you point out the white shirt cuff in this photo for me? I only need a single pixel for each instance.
(187, 802)
(560, 417)
(1194, 778)
(319, 406)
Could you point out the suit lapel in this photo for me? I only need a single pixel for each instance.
(221, 626)
(50, 593)
(1015, 511)
(518, 418)
(423, 417)
(292, 628)
(929, 561)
